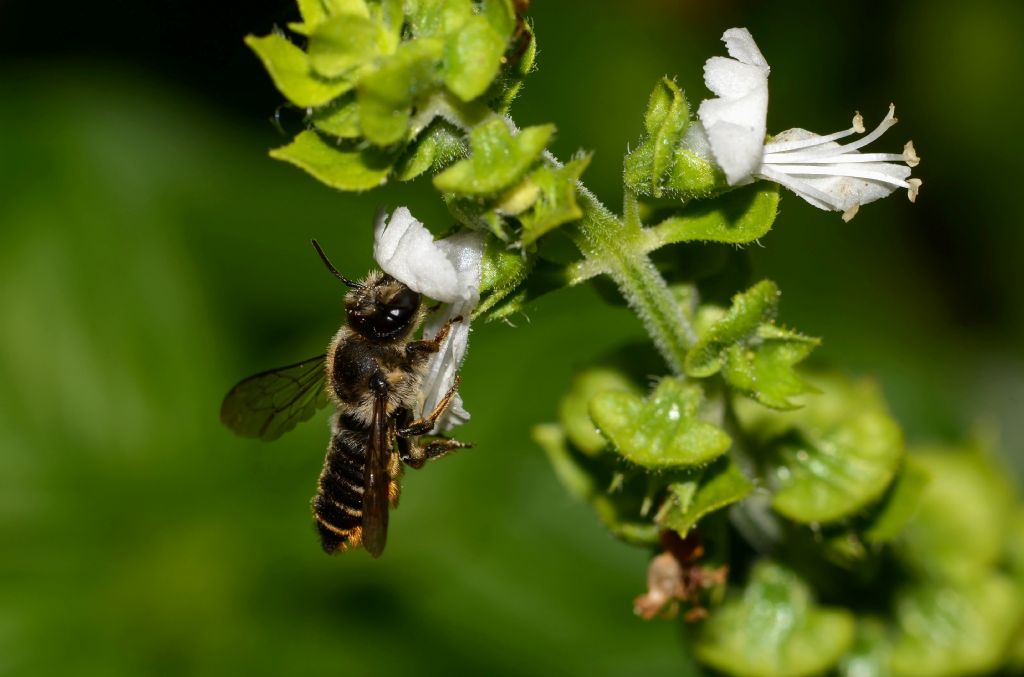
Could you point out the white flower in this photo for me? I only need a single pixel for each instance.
(446, 270)
(824, 173)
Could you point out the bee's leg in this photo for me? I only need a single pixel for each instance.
(439, 446)
(426, 424)
(419, 350)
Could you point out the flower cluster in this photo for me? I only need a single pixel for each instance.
(828, 175)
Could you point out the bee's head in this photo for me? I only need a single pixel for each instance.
(380, 307)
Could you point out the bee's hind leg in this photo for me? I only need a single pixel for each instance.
(417, 455)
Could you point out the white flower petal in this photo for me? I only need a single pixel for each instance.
(735, 121)
(465, 252)
(741, 46)
(406, 250)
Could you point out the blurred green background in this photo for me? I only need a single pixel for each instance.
(151, 255)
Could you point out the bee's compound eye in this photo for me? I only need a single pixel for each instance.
(392, 318)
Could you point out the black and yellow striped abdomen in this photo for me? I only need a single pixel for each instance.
(338, 504)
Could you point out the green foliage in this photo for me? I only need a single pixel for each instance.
(719, 485)
(954, 629)
(574, 410)
(665, 430)
(498, 159)
(774, 628)
(291, 72)
(555, 203)
(830, 459)
(800, 492)
(738, 217)
(338, 168)
(754, 355)
(964, 514)
(666, 120)
(362, 78)
(620, 502)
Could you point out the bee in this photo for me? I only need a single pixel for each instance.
(371, 372)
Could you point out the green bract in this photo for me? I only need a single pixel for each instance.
(738, 217)
(719, 485)
(555, 202)
(959, 629)
(574, 410)
(754, 355)
(665, 122)
(963, 517)
(362, 77)
(774, 628)
(832, 458)
(497, 160)
(336, 167)
(618, 501)
(290, 70)
(663, 431)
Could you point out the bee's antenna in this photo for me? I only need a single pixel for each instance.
(330, 267)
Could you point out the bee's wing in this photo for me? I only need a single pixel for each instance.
(271, 403)
(377, 480)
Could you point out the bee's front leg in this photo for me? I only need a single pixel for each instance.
(418, 350)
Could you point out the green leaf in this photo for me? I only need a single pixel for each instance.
(498, 159)
(714, 488)
(502, 271)
(556, 199)
(666, 120)
(870, 652)
(390, 17)
(386, 95)
(314, 12)
(350, 170)
(501, 15)
(755, 357)
(737, 217)
(901, 505)
(956, 629)
(774, 628)
(340, 118)
(830, 459)
(473, 58)
(585, 479)
(289, 69)
(574, 409)
(963, 517)
(663, 431)
(438, 18)
(433, 150)
(343, 42)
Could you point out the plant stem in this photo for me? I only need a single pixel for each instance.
(617, 245)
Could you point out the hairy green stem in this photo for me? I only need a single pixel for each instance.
(606, 238)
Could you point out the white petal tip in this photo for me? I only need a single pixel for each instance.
(910, 155)
(915, 186)
(850, 213)
(858, 123)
